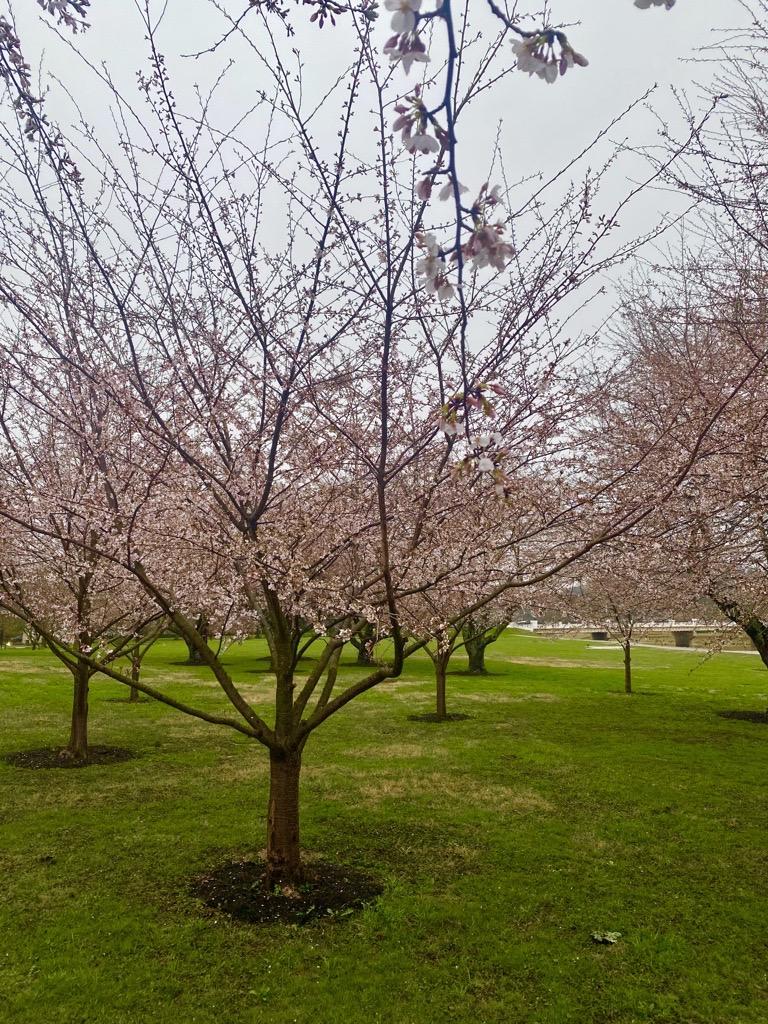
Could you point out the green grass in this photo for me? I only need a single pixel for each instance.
(560, 808)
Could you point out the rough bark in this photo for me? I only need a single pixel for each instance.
(627, 668)
(476, 657)
(757, 632)
(133, 695)
(363, 643)
(283, 845)
(77, 748)
(476, 640)
(364, 655)
(441, 710)
(194, 656)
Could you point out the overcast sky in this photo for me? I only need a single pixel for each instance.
(542, 125)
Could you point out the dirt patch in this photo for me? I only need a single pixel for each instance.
(55, 757)
(393, 685)
(496, 795)
(397, 750)
(432, 717)
(328, 892)
(759, 717)
(508, 698)
(557, 663)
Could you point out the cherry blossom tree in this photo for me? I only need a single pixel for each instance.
(484, 628)
(364, 643)
(55, 573)
(696, 332)
(438, 615)
(325, 414)
(622, 588)
(725, 165)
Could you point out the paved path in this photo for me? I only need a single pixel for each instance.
(606, 646)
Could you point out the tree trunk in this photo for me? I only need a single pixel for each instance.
(203, 628)
(194, 657)
(77, 748)
(364, 656)
(283, 850)
(627, 668)
(755, 628)
(133, 696)
(441, 710)
(476, 657)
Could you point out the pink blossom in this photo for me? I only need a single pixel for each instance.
(447, 190)
(407, 48)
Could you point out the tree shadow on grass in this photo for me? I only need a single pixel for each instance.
(431, 716)
(758, 717)
(636, 693)
(267, 666)
(127, 700)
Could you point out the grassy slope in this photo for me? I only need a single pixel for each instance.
(561, 807)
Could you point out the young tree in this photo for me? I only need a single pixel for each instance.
(623, 588)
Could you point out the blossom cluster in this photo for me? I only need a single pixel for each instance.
(432, 267)
(487, 462)
(61, 9)
(547, 54)
(413, 122)
(406, 45)
(452, 418)
(486, 246)
(486, 454)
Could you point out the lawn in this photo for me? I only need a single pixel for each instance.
(560, 808)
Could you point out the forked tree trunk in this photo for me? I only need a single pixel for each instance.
(77, 748)
(364, 655)
(283, 850)
(476, 657)
(627, 668)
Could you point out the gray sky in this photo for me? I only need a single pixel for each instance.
(542, 125)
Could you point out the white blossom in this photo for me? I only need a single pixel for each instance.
(404, 17)
(421, 143)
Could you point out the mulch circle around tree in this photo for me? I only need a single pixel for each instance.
(329, 892)
(54, 757)
(761, 717)
(432, 717)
